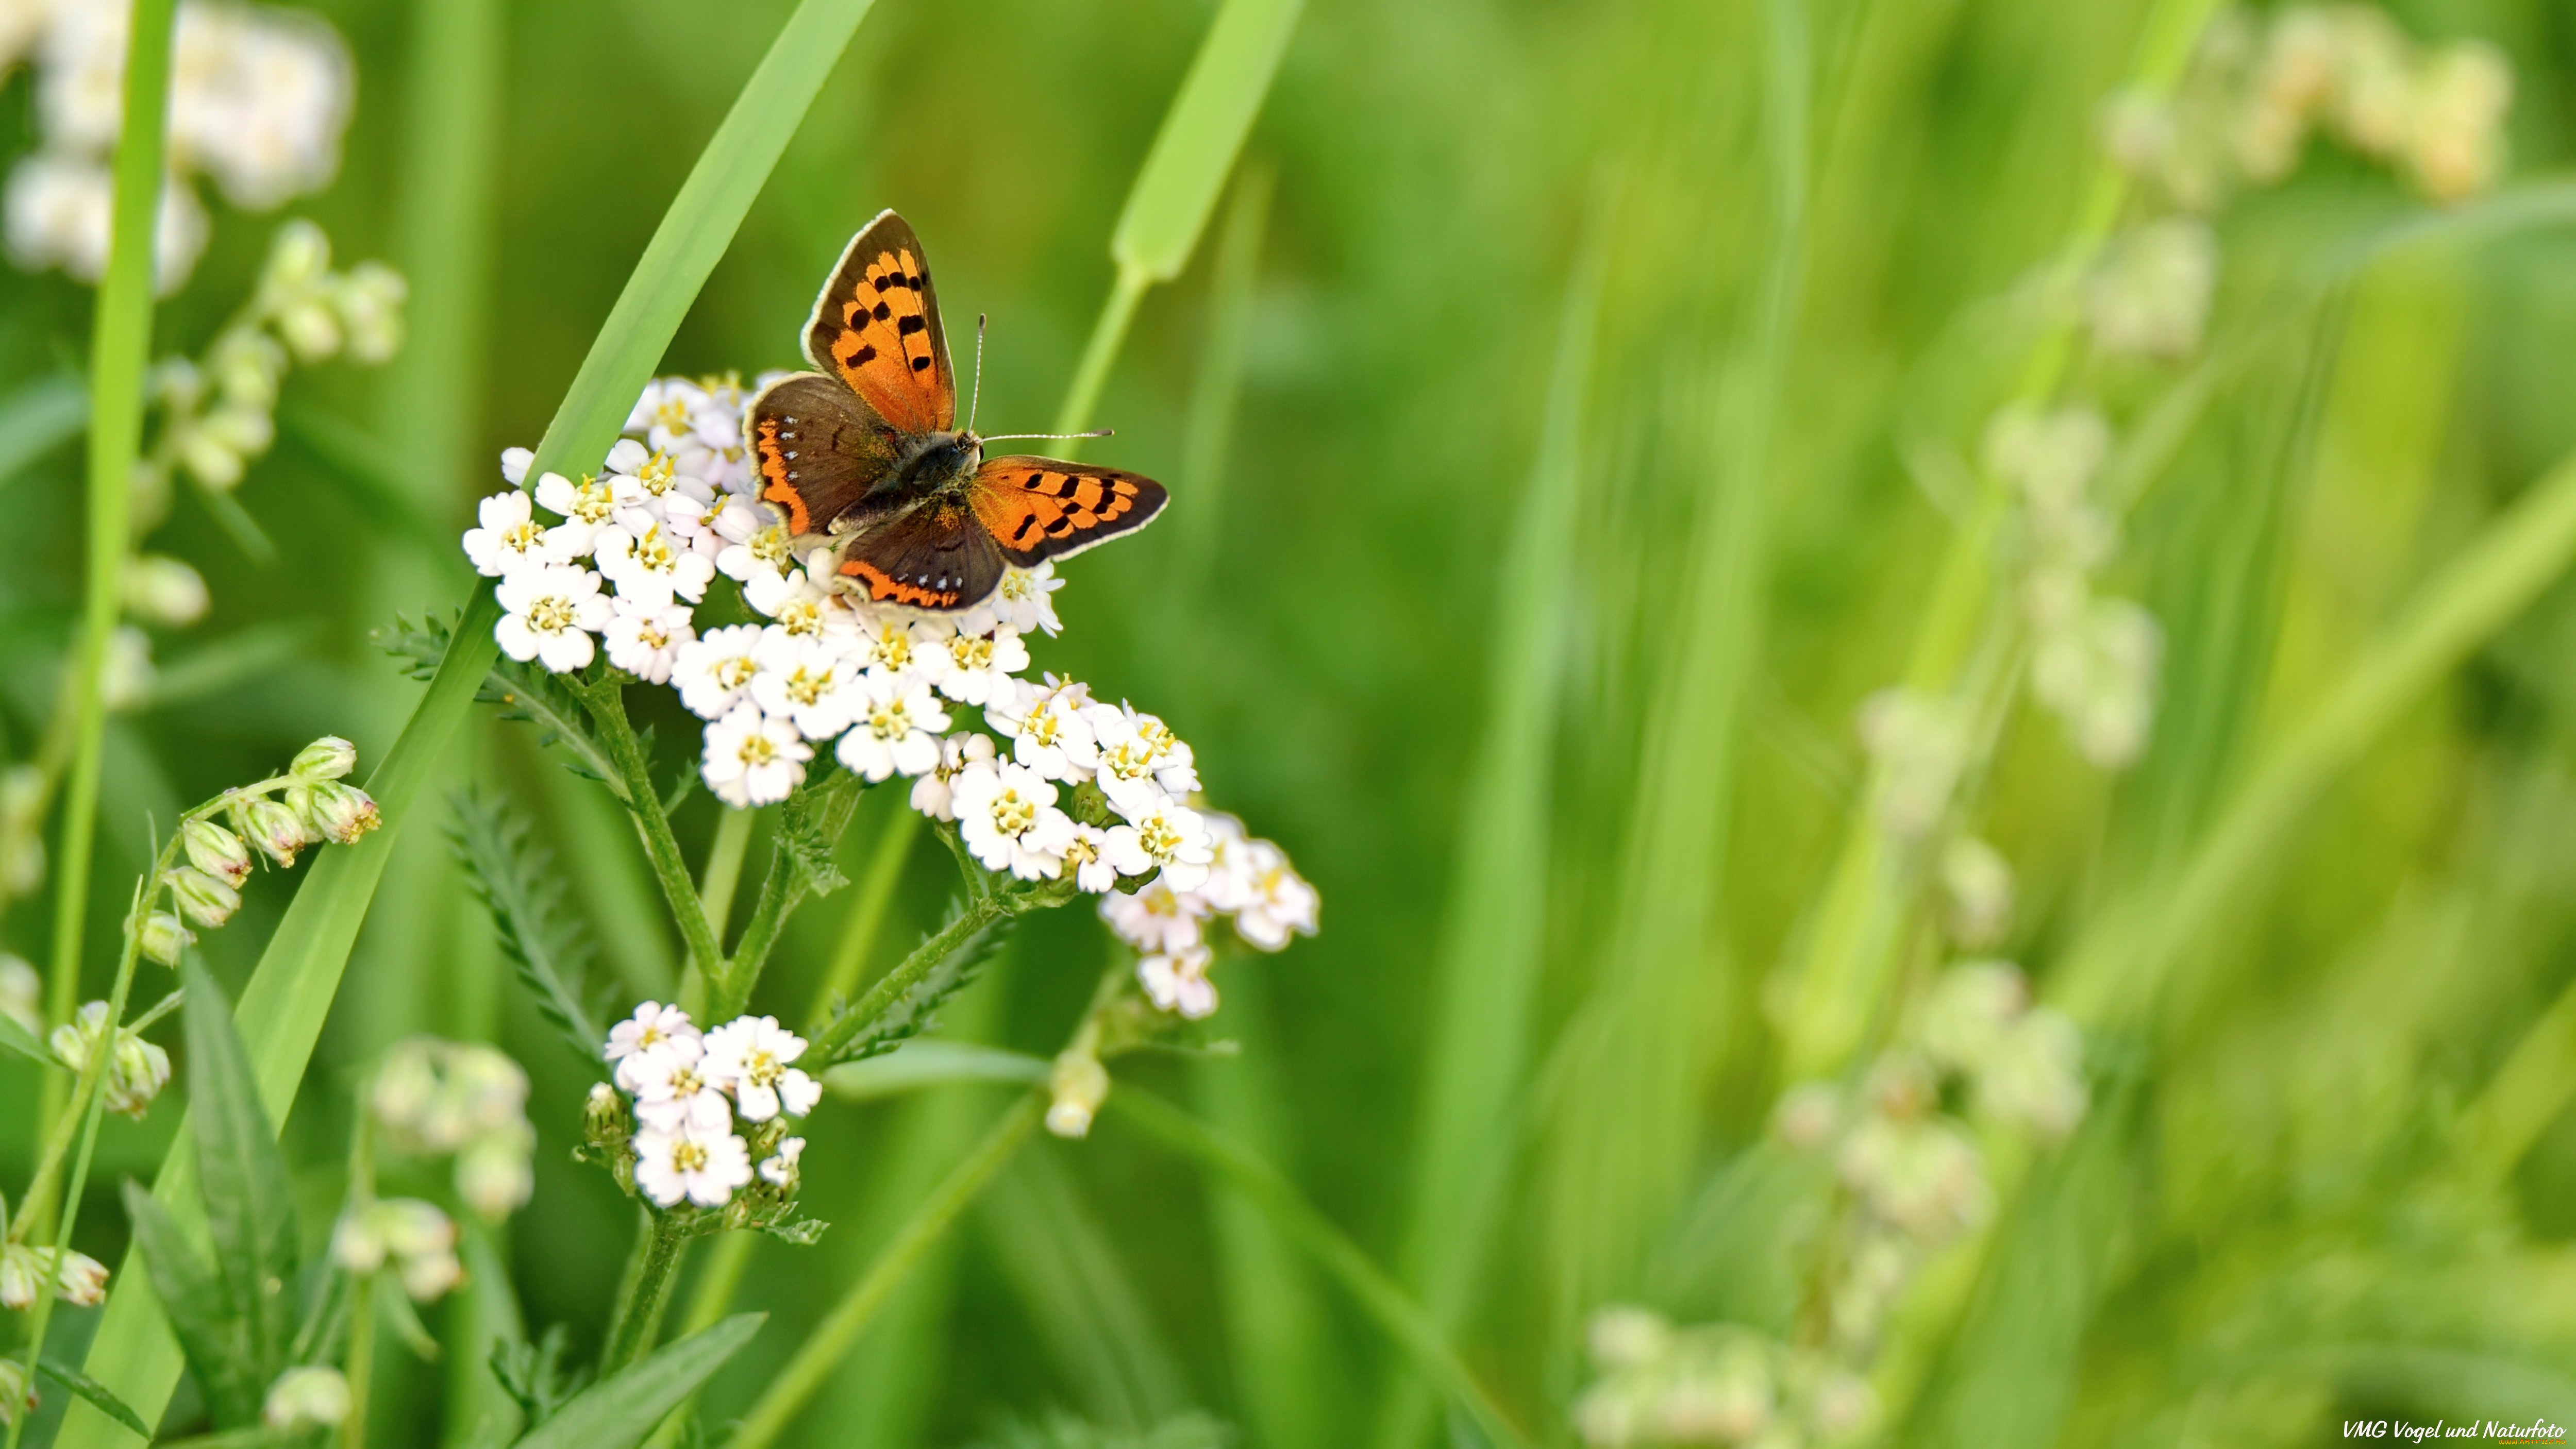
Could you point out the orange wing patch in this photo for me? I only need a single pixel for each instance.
(1039, 508)
(773, 475)
(876, 328)
(884, 588)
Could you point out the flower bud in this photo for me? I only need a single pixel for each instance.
(340, 814)
(1079, 1084)
(370, 302)
(1807, 1114)
(411, 1227)
(1624, 1336)
(605, 1121)
(312, 329)
(81, 1281)
(135, 1074)
(781, 1169)
(164, 591)
(298, 258)
(357, 1243)
(216, 851)
(22, 993)
(328, 758)
(307, 1398)
(164, 938)
(429, 1276)
(248, 366)
(493, 1175)
(278, 830)
(205, 900)
(15, 1395)
(126, 675)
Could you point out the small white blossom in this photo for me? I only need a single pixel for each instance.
(1140, 758)
(552, 610)
(700, 523)
(767, 548)
(703, 1167)
(668, 411)
(81, 1281)
(803, 680)
(752, 759)
(646, 564)
(677, 1090)
(1228, 887)
(933, 794)
(1049, 732)
(781, 1167)
(1164, 835)
(1177, 981)
(1280, 904)
(897, 731)
(751, 1056)
(802, 601)
(980, 666)
(715, 671)
(1155, 918)
(645, 639)
(1007, 816)
(514, 465)
(890, 643)
(653, 1027)
(587, 508)
(1087, 856)
(655, 480)
(508, 537)
(1025, 600)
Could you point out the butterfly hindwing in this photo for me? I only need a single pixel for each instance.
(937, 556)
(1043, 508)
(876, 327)
(818, 450)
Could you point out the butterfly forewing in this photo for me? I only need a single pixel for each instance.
(876, 327)
(1043, 508)
(818, 449)
(935, 557)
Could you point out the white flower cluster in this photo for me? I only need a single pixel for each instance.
(258, 100)
(1713, 1384)
(1917, 1174)
(673, 507)
(438, 1098)
(2261, 86)
(2095, 660)
(79, 1279)
(411, 1235)
(689, 1088)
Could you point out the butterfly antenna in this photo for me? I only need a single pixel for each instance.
(975, 399)
(1094, 433)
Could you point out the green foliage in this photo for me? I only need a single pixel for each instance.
(1064, 1431)
(95, 1394)
(619, 1411)
(516, 882)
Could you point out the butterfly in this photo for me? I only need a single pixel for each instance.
(864, 453)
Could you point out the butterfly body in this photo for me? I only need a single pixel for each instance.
(865, 453)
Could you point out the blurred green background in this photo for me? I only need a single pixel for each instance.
(1719, 286)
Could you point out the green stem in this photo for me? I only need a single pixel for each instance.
(909, 973)
(867, 913)
(830, 1339)
(714, 1293)
(361, 1362)
(724, 867)
(1106, 337)
(639, 1302)
(626, 752)
(120, 344)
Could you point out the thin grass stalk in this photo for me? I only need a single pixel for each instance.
(868, 910)
(120, 349)
(1628, 1066)
(2525, 1095)
(1369, 1287)
(282, 1008)
(1841, 974)
(1213, 397)
(723, 873)
(830, 1339)
(1491, 940)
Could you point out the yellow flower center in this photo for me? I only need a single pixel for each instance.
(757, 750)
(891, 721)
(971, 653)
(763, 1070)
(736, 672)
(550, 615)
(801, 617)
(687, 1156)
(522, 537)
(592, 500)
(656, 475)
(1158, 837)
(672, 416)
(770, 544)
(653, 551)
(805, 687)
(1013, 812)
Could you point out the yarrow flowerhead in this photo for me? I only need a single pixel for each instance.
(702, 1104)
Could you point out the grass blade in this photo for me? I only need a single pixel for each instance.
(1403, 1319)
(38, 418)
(1492, 935)
(618, 1411)
(95, 1393)
(283, 1007)
(250, 1207)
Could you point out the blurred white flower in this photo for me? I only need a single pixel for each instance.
(1155, 918)
(780, 1166)
(1177, 981)
(81, 1281)
(59, 213)
(2149, 295)
(1165, 836)
(1278, 902)
(306, 1398)
(165, 591)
